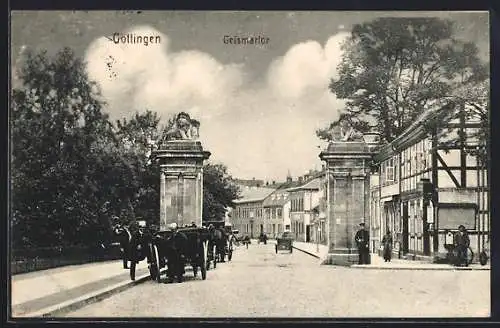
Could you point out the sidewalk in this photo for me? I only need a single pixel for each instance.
(42, 292)
(377, 262)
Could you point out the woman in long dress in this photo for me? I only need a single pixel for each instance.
(387, 244)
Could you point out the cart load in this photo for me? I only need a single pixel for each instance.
(177, 248)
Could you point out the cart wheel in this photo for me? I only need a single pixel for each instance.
(215, 257)
(153, 265)
(203, 264)
(157, 259)
(132, 270)
(483, 258)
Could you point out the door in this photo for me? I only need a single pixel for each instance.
(404, 245)
(308, 233)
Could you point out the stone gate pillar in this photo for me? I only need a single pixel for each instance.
(348, 196)
(181, 182)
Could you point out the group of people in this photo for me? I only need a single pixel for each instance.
(461, 243)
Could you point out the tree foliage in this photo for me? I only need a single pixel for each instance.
(72, 170)
(219, 191)
(393, 69)
(60, 140)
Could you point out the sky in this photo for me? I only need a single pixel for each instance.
(259, 105)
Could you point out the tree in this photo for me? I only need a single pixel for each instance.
(219, 191)
(470, 103)
(138, 137)
(393, 69)
(62, 154)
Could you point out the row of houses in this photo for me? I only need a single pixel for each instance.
(429, 182)
(292, 205)
(423, 188)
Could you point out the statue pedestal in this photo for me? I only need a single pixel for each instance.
(348, 194)
(181, 182)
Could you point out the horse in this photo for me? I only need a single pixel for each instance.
(220, 240)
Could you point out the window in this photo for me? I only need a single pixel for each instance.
(279, 212)
(389, 171)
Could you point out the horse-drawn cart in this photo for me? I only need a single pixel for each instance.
(177, 249)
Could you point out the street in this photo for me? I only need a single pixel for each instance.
(260, 283)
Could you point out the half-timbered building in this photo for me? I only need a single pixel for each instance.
(430, 182)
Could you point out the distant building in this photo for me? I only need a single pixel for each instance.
(304, 207)
(248, 213)
(249, 182)
(268, 209)
(276, 213)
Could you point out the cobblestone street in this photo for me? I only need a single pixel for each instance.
(260, 283)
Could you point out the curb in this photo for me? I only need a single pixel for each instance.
(87, 299)
(373, 267)
(357, 266)
(308, 253)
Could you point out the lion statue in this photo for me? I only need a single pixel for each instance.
(343, 132)
(184, 128)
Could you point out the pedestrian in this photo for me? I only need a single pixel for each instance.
(362, 238)
(461, 242)
(387, 246)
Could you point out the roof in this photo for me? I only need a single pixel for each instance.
(415, 131)
(291, 184)
(278, 198)
(313, 184)
(253, 194)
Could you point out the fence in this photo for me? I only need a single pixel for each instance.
(28, 260)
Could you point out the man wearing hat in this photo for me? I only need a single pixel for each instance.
(362, 238)
(462, 242)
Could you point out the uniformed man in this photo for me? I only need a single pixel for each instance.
(362, 239)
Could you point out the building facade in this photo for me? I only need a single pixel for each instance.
(430, 183)
(248, 212)
(276, 213)
(304, 213)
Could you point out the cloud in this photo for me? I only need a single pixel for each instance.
(259, 130)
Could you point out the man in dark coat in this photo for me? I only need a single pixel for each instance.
(124, 236)
(387, 246)
(176, 251)
(362, 238)
(462, 242)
